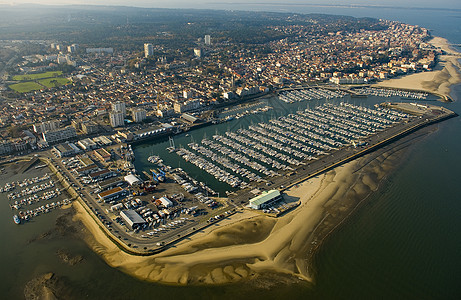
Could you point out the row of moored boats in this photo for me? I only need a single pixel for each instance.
(46, 208)
(310, 94)
(267, 149)
(9, 186)
(392, 93)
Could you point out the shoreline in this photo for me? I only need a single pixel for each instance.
(439, 81)
(248, 245)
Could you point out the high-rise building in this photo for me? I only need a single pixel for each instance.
(116, 119)
(119, 106)
(207, 39)
(148, 50)
(138, 114)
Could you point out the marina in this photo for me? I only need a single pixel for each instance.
(310, 94)
(270, 149)
(392, 93)
(35, 193)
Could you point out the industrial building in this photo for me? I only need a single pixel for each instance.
(102, 155)
(87, 144)
(132, 180)
(66, 149)
(101, 175)
(164, 201)
(87, 170)
(132, 219)
(112, 194)
(266, 199)
(110, 183)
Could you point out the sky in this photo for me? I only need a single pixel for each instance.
(241, 4)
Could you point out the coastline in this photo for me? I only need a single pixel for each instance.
(439, 81)
(248, 244)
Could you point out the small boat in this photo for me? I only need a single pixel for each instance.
(16, 219)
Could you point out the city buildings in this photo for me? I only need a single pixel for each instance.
(207, 40)
(119, 106)
(148, 50)
(180, 107)
(59, 135)
(46, 126)
(139, 115)
(116, 118)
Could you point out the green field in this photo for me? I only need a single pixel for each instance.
(25, 87)
(37, 76)
(40, 81)
(54, 82)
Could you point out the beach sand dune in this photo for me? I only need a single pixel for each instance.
(252, 244)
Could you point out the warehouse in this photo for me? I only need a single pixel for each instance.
(101, 175)
(266, 199)
(102, 155)
(164, 201)
(110, 183)
(132, 180)
(87, 170)
(132, 219)
(112, 194)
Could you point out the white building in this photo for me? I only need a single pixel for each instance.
(166, 202)
(116, 119)
(139, 114)
(119, 106)
(47, 126)
(59, 135)
(148, 50)
(198, 52)
(132, 180)
(99, 50)
(187, 94)
(87, 144)
(207, 39)
(187, 106)
(266, 199)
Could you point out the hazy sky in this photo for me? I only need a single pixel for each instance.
(240, 4)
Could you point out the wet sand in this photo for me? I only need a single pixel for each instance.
(438, 81)
(249, 244)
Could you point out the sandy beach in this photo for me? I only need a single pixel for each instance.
(249, 244)
(438, 81)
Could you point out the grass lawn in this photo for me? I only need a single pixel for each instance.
(25, 87)
(54, 82)
(37, 76)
